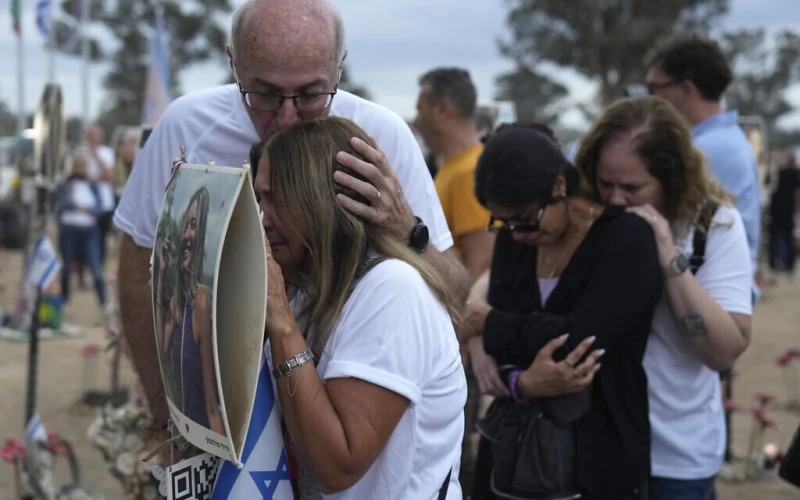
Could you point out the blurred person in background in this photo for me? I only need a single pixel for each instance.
(446, 121)
(639, 154)
(100, 167)
(782, 213)
(79, 207)
(691, 73)
(568, 275)
(124, 156)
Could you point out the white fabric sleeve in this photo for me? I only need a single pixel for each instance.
(387, 331)
(405, 156)
(727, 273)
(140, 205)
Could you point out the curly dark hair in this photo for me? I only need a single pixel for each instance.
(690, 56)
(664, 143)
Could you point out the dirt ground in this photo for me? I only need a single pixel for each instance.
(62, 383)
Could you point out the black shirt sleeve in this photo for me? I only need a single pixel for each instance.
(624, 282)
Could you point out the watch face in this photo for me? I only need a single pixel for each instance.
(681, 263)
(419, 237)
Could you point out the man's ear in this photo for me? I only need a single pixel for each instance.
(445, 107)
(230, 57)
(690, 89)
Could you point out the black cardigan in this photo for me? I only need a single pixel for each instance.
(609, 289)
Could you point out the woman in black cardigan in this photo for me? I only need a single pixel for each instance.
(562, 265)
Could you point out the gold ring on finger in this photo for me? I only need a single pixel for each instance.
(568, 363)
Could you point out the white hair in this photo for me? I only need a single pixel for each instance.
(338, 26)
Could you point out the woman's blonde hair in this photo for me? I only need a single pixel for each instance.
(339, 245)
(663, 141)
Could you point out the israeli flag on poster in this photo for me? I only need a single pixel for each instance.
(43, 264)
(265, 474)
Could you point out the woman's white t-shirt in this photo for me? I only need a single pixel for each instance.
(686, 412)
(394, 333)
(82, 196)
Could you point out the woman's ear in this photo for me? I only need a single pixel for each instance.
(560, 186)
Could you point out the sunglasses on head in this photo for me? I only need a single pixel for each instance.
(500, 225)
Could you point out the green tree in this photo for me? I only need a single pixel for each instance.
(536, 96)
(785, 138)
(765, 68)
(192, 35)
(8, 120)
(602, 40)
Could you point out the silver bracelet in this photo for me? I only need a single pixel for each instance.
(285, 368)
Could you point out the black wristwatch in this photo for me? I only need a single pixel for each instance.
(678, 265)
(419, 238)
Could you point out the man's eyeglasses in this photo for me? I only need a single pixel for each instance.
(271, 102)
(653, 87)
(499, 225)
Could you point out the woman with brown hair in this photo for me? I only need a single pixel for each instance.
(381, 414)
(639, 154)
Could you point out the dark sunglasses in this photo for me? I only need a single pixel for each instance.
(499, 225)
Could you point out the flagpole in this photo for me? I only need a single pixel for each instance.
(21, 121)
(85, 5)
(51, 56)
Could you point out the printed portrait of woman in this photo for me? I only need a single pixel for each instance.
(184, 322)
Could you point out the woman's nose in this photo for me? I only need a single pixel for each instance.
(266, 219)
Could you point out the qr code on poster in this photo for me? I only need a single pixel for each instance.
(192, 479)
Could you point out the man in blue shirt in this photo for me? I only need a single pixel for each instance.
(691, 72)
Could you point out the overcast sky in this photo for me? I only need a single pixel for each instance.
(390, 43)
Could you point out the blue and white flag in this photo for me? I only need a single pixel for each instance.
(43, 264)
(157, 91)
(265, 474)
(35, 431)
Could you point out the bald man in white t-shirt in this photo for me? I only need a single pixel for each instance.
(221, 124)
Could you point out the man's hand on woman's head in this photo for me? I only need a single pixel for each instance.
(545, 377)
(388, 209)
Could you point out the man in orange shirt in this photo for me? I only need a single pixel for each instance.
(446, 121)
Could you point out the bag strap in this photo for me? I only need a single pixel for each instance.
(445, 486)
(701, 235)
